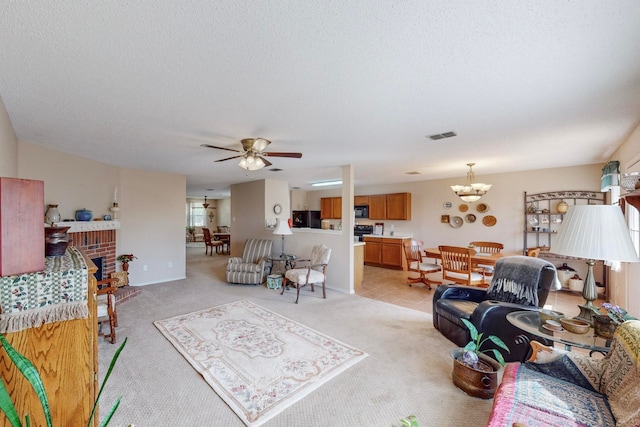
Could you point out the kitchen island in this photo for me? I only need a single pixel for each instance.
(386, 250)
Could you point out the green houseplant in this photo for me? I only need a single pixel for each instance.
(30, 372)
(474, 372)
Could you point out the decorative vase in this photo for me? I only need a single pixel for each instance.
(84, 215)
(52, 215)
(125, 266)
(56, 241)
(604, 326)
(480, 381)
(562, 207)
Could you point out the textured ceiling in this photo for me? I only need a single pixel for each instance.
(524, 84)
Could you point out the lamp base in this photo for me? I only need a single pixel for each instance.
(590, 294)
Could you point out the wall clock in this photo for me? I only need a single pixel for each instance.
(277, 209)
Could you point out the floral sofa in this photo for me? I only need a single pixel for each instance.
(571, 389)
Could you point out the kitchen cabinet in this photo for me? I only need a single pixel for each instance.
(399, 206)
(378, 206)
(396, 206)
(360, 200)
(331, 208)
(385, 252)
(21, 226)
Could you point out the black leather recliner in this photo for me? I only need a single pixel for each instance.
(484, 308)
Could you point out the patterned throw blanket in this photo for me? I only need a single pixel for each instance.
(516, 280)
(57, 293)
(574, 389)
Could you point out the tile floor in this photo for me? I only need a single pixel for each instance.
(391, 286)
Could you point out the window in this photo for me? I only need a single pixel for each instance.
(196, 215)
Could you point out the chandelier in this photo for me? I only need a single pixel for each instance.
(205, 204)
(251, 161)
(471, 191)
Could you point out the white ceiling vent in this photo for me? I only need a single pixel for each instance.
(443, 135)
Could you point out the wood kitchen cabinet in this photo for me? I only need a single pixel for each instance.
(331, 208)
(372, 251)
(399, 206)
(378, 206)
(360, 200)
(384, 252)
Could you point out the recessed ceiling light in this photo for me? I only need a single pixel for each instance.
(412, 173)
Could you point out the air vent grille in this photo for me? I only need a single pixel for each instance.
(443, 135)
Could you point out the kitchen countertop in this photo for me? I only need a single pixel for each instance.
(395, 236)
(358, 244)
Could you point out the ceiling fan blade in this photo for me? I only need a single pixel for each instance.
(266, 162)
(220, 148)
(276, 154)
(228, 158)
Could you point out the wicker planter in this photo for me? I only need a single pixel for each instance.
(604, 326)
(477, 382)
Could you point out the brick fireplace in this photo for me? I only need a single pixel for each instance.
(98, 240)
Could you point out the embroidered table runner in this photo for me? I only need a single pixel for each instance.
(57, 293)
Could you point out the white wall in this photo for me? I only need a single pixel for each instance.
(8, 145)
(626, 283)
(151, 203)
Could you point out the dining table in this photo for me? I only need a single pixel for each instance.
(479, 257)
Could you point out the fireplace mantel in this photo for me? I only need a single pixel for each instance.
(83, 226)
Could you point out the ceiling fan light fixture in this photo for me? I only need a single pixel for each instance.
(251, 162)
(471, 191)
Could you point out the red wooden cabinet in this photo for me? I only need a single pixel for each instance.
(21, 226)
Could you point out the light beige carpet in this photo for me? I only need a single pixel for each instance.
(256, 360)
(408, 370)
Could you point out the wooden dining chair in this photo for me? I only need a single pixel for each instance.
(209, 243)
(415, 263)
(458, 268)
(487, 248)
(534, 252)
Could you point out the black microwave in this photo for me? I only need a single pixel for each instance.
(362, 211)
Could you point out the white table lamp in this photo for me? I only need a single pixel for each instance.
(594, 232)
(282, 229)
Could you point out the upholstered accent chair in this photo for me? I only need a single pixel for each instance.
(252, 268)
(519, 283)
(309, 271)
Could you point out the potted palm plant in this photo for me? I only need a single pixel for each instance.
(474, 372)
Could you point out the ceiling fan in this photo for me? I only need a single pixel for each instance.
(252, 156)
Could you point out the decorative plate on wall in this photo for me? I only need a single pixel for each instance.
(456, 222)
(482, 208)
(463, 207)
(471, 218)
(447, 205)
(489, 220)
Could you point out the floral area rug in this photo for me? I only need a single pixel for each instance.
(257, 361)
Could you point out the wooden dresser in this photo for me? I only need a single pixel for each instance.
(66, 355)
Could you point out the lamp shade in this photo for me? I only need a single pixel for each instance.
(282, 228)
(597, 232)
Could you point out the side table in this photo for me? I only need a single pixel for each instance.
(529, 321)
(285, 262)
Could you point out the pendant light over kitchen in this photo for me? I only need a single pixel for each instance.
(471, 191)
